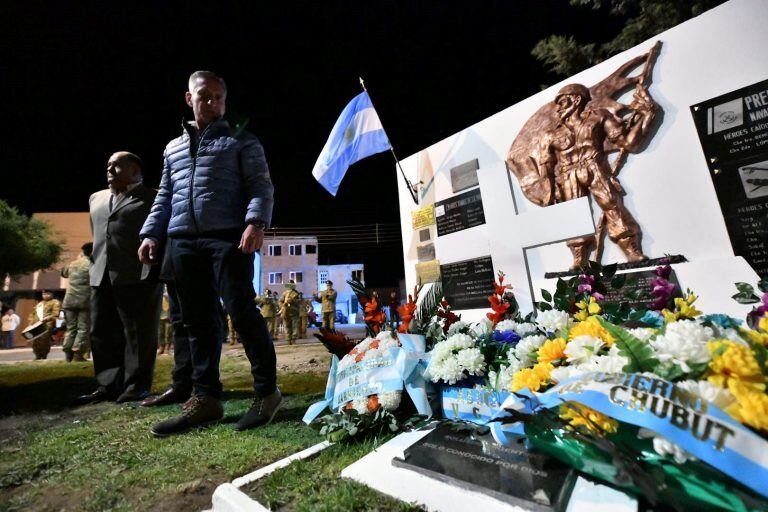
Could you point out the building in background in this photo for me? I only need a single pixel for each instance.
(286, 258)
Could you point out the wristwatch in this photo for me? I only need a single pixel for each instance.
(258, 224)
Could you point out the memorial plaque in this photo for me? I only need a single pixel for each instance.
(423, 217)
(424, 235)
(512, 474)
(428, 272)
(425, 252)
(640, 280)
(468, 284)
(460, 212)
(733, 130)
(464, 176)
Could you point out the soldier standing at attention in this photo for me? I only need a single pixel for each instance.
(165, 332)
(290, 303)
(269, 312)
(328, 300)
(77, 306)
(46, 311)
(305, 306)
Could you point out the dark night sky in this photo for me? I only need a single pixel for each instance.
(85, 79)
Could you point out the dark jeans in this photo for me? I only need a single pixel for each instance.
(182, 357)
(7, 339)
(204, 270)
(124, 322)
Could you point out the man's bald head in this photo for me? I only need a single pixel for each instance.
(124, 169)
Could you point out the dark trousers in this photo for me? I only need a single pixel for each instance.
(204, 270)
(7, 339)
(124, 321)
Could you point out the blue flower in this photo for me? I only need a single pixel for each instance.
(723, 321)
(506, 337)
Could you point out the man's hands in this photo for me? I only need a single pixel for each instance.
(252, 238)
(148, 252)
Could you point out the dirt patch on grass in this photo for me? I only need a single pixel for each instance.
(193, 495)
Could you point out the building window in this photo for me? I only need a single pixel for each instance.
(298, 277)
(275, 277)
(275, 250)
(311, 248)
(357, 275)
(322, 277)
(294, 250)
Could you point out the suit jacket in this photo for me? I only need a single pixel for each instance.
(116, 236)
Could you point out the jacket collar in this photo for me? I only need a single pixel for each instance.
(218, 126)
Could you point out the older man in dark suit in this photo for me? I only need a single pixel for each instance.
(126, 302)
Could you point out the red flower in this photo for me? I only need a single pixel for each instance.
(408, 311)
(374, 315)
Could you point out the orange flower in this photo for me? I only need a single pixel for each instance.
(373, 403)
(374, 315)
(499, 309)
(408, 311)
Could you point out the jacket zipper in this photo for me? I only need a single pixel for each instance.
(192, 178)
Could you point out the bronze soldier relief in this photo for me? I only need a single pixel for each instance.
(562, 153)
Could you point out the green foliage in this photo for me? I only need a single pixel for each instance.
(27, 244)
(642, 19)
(638, 352)
(746, 293)
(427, 308)
(349, 425)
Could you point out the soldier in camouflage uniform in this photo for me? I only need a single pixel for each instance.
(269, 312)
(47, 311)
(304, 308)
(77, 306)
(328, 300)
(289, 310)
(165, 329)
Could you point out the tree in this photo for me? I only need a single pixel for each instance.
(26, 244)
(565, 56)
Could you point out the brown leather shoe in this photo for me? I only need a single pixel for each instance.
(77, 357)
(198, 411)
(169, 396)
(261, 412)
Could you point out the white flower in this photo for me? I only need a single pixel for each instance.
(526, 346)
(471, 360)
(484, 326)
(664, 446)
(733, 335)
(363, 345)
(582, 348)
(388, 343)
(360, 404)
(502, 380)
(553, 320)
(561, 373)
(718, 397)
(390, 400)
(612, 363)
(448, 370)
(372, 353)
(457, 327)
(525, 328)
(385, 335)
(683, 343)
(346, 361)
(642, 333)
(506, 325)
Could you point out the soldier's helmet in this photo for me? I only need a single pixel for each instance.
(577, 89)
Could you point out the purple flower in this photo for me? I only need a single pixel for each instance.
(757, 313)
(663, 271)
(506, 337)
(587, 281)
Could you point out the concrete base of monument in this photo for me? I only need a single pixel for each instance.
(229, 498)
(377, 471)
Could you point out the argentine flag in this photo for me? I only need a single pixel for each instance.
(356, 135)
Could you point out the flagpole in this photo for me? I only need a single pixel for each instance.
(411, 189)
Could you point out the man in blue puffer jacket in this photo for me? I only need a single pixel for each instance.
(214, 202)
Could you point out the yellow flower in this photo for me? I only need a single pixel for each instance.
(587, 309)
(757, 337)
(552, 350)
(532, 378)
(750, 408)
(762, 324)
(584, 418)
(731, 362)
(591, 327)
(683, 309)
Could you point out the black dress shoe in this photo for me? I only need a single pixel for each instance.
(132, 395)
(100, 395)
(169, 396)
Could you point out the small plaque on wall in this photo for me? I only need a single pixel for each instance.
(428, 272)
(460, 212)
(468, 284)
(464, 176)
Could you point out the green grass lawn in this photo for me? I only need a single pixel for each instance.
(102, 457)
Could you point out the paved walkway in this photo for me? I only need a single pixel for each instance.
(15, 355)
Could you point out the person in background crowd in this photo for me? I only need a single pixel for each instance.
(269, 312)
(214, 202)
(305, 306)
(165, 332)
(328, 300)
(46, 311)
(77, 306)
(289, 310)
(125, 296)
(394, 315)
(10, 322)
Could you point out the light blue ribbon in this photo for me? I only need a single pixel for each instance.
(474, 396)
(314, 410)
(751, 471)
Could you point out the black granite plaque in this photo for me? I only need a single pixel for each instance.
(640, 280)
(513, 474)
(733, 130)
(460, 212)
(425, 252)
(424, 235)
(464, 176)
(468, 284)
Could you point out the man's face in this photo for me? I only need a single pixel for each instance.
(9, 312)
(120, 173)
(47, 296)
(208, 100)
(567, 104)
